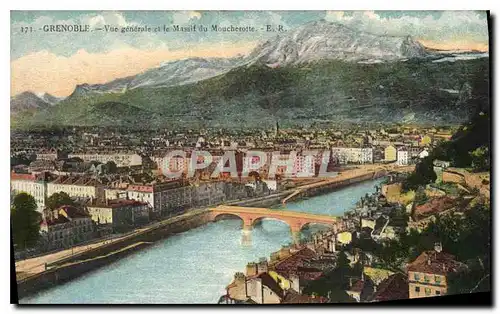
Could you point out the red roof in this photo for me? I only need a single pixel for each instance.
(55, 221)
(435, 205)
(291, 264)
(22, 176)
(432, 262)
(394, 287)
(140, 188)
(73, 212)
(308, 273)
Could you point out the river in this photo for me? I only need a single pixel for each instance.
(194, 266)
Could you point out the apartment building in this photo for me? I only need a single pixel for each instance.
(428, 273)
(66, 226)
(35, 185)
(119, 214)
(355, 155)
(120, 159)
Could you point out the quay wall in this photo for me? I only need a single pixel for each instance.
(64, 273)
(331, 186)
(74, 266)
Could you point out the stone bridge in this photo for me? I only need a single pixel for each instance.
(296, 220)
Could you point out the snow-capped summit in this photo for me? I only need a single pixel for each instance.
(327, 40)
(314, 41)
(50, 99)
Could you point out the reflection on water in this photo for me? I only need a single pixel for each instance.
(194, 266)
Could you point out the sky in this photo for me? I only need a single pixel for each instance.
(57, 62)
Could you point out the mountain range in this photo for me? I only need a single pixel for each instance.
(318, 72)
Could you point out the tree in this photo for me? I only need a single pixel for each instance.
(343, 261)
(111, 166)
(420, 197)
(25, 220)
(480, 159)
(59, 199)
(20, 159)
(423, 174)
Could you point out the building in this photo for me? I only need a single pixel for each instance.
(426, 140)
(427, 274)
(262, 289)
(119, 214)
(355, 155)
(394, 287)
(360, 289)
(35, 185)
(403, 157)
(304, 166)
(162, 197)
(76, 186)
(390, 153)
(293, 297)
(120, 159)
(171, 197)
(208, 193)
(66, 227)
(50, 154)
(42, 165)
(173, 165)
(424, 153)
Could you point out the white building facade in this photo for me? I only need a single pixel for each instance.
(356, 155)
(403, 157)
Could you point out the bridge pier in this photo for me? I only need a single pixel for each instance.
(295, 230)
(246, 233)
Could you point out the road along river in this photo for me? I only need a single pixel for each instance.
(194, 266)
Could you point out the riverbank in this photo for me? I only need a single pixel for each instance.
(81, 262)
(75, 265)
(190, 267)
(44, 272)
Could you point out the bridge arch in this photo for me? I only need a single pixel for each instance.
(258, 220)
(227, 216)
